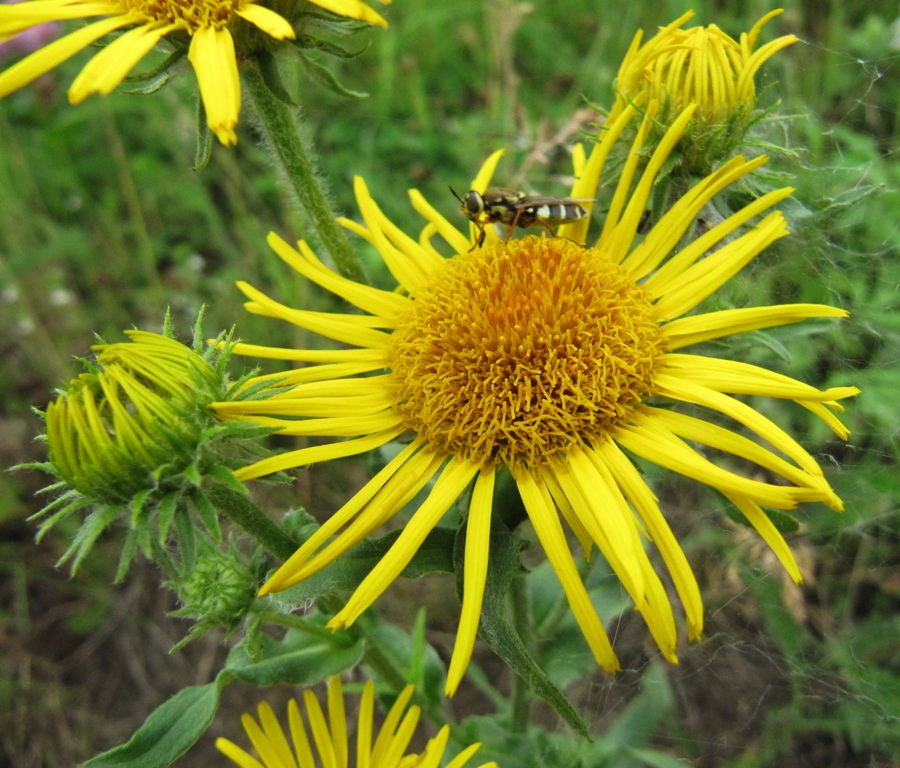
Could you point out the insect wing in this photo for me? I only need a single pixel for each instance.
(551, 210)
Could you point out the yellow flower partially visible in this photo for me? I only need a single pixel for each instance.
(207, 24)
(555, 360)
(330, 736)
(700, 65)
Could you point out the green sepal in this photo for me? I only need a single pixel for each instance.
(94, 525)
(782, 521)
(324, 77)
(192, 472)
(301, 658)
(157, 83)
(165, 511)
(204, 139)
(207, 514)
(347, 572)
(169, 731)
(129, 548)
(504, 564)
(308, 42)
(166, 69)
(70, 502)
(226, 478)
(271, 75)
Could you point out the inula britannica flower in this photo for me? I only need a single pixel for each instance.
(206, 27)
(558, 361)
(330, 736)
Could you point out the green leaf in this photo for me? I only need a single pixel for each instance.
(271, 76)
(301, 658)
(635, 725)
(347, 572)
(169, 731)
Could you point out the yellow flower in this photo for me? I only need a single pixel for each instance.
(330, 736)
(701, 65)
(557, 361)
(114, 426)
(208, 24)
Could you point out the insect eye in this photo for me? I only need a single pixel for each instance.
(473, 202)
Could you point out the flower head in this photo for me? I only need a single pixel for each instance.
(206, 27)
(558, 361)
(700, 65)
(131, 440)
(330, 736)
(118, 423)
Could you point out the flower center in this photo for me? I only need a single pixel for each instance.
(192, 14)
(519, 351)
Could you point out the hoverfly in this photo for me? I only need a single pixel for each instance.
(516, 209)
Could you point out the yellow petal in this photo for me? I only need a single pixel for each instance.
(695, 329)
(55, 53)
(604, 515)
(617, 240)
(390, 727)
(353, 9)
(310, 355)
(212, 56)
(549, 531)
(478, 538)
(268, 21)
(656, 444)
(703, 278)
(317, 453)
(320, 733)
(237, 755)
(337, 426)
(722, 439)
(455, 239)
(350, 329)
(589, 178)
(687, 390)
(452, 482)
(702, 245)
(337, 719)
(364, 727)
(384, 304)
(766, 528)
(386, 490)
(302, 747)
(108, 68)
(644, 502)
(409, 272)
(17, 17)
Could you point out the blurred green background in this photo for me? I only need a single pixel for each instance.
(103, 225)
